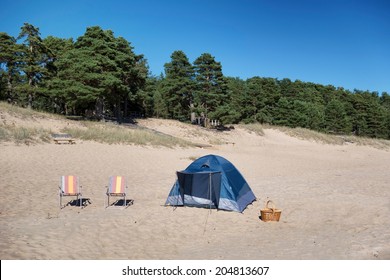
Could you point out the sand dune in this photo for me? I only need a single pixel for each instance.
(335, 200)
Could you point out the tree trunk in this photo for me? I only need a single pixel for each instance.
(10, 98)
(99, 108)
(118, 112)
(30, 93)
(126, 107)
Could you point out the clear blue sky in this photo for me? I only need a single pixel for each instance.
(344, 43)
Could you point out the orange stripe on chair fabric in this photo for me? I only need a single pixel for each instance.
(69, 184)
(117, 184)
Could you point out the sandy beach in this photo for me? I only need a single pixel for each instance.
(335, 200)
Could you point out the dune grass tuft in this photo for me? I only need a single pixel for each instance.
(115, 134)
(23, 135)
(253, 127)
(315, 136)
(24, 113)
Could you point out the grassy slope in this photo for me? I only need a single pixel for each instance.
(23, 126)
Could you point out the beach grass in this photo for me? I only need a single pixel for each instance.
(255, 128)
(26, 114)
(331, 139)
(117, 134)
(85, 130)
(23, 135)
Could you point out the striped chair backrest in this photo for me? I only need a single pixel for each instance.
(117, 184)
(70, 184)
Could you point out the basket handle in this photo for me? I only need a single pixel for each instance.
(273, 205)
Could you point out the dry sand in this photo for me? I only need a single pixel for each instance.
(335, 200)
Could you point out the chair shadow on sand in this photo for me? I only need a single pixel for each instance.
(83, 202)
(122, 203)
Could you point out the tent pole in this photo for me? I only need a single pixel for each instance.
(208, 214)
(210, 191)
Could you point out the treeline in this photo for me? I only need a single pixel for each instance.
(99, 75)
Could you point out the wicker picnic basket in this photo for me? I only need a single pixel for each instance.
(270, 213)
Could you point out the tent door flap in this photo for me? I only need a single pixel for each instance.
(201, 188)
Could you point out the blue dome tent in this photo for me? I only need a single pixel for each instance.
(211, 182)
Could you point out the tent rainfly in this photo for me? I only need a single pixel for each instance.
(211, 182)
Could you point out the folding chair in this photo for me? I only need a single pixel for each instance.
(70, 186)
(116, 187)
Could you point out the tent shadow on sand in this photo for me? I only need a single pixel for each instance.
(211, 182)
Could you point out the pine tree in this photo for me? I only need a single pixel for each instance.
(100, 73)
(33, 62)
(178, 86)
(211, 85)
(10, 53)
(232, 110)
(336, 119)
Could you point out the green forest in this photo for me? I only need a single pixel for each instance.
(100, 76)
